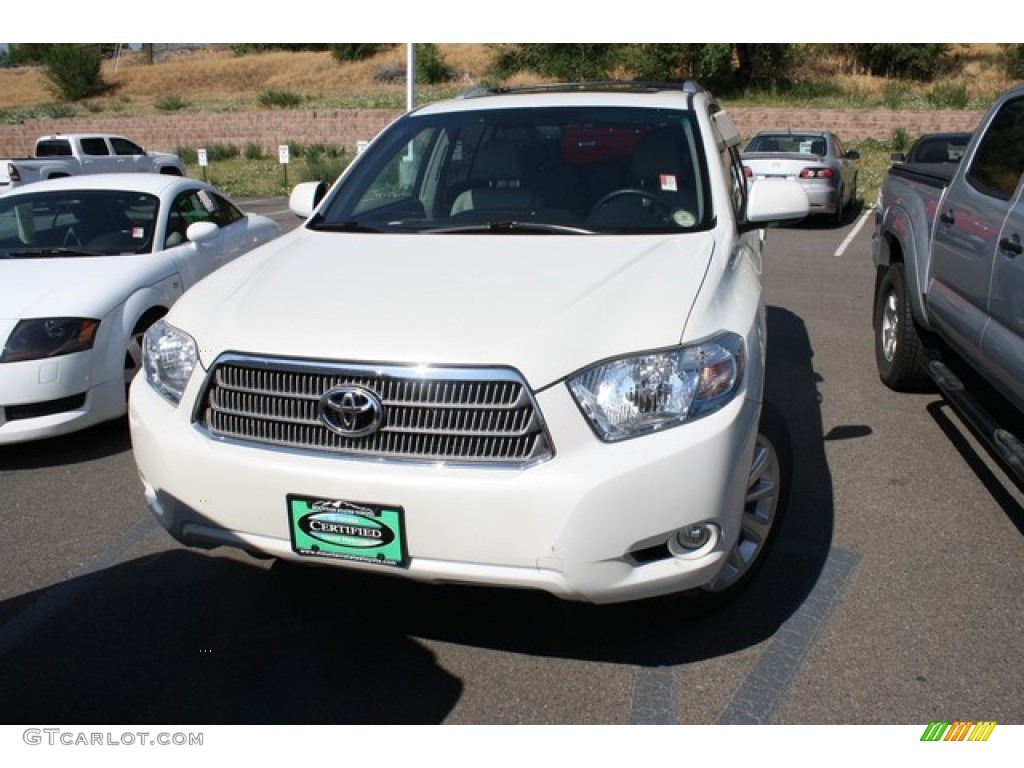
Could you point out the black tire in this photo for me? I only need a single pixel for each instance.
(837, 217)
(900, 352)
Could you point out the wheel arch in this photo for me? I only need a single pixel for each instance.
(144, 305)
(896, 243)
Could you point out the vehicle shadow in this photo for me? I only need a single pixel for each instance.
(183, 636)
(1000, 485)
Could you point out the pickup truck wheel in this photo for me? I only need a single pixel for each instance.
(899, 350)
(767, 492)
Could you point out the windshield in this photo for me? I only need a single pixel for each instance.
(69, 222)
(576, 170)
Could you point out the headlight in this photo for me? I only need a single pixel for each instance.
(49, 337)
(168, 357)
(645, 393)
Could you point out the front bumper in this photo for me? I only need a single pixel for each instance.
(55, 396)
(591, 524)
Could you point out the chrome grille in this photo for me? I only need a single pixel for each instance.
(473, 415)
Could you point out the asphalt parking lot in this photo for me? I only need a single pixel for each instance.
(892, 597)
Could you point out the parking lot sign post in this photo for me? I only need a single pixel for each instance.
(282, 157)
(203, 162)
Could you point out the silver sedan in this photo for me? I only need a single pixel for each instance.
(817, 159)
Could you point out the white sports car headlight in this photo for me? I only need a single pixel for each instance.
(645, 393)
(168, 357)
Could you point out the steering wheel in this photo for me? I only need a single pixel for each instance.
(654, 200)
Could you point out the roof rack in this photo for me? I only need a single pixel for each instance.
(628, 86)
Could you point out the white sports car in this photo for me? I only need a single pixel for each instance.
(87, 264)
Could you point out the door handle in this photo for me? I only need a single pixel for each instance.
(947, 217)
(1011, 246)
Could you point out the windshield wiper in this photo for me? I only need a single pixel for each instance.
(45, 253)
(345, 226)
(513, 227)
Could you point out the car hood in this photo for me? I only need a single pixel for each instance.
(545, 304)
(71, 286)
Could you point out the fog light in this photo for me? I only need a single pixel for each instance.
(694, 540)
(693, 537)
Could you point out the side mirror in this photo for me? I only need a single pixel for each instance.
(775, 201)
(201, 231)
(853, 154)
(305, 197)
(897, 157)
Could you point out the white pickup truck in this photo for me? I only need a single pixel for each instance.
(71, 154)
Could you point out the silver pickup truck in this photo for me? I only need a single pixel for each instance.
(949, 290)
(71, 154)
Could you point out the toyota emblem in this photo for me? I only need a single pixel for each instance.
(351, 411)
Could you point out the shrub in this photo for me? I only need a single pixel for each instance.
(1013, 59)
(390, 74)
(431, 67)
(28, 53)
(244, 49)
(919, 61)
(215, 152)
(252, 151)
(59, 110)
(324, 168)
(353, 51)
(948, 96)
(900, 140)
(282, 99)
(188, 155)
(171, 103)
(894, 95)
(564, 61)
(74, 71)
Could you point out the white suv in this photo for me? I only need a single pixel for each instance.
(520, 343)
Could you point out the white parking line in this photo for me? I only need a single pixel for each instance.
(853, 232)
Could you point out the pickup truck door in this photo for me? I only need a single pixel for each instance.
(96, 156)
(1002, 342)
(131, 158)
(968, 227)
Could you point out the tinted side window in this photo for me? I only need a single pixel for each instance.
(999, 160)
(53, 148)
(95, 147)
(125, 147)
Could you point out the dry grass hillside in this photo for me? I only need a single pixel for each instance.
(215, 78)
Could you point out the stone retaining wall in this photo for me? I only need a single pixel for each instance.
(271, 128)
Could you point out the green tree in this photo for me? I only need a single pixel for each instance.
(431, 67)
(917, 61)
(570, 62)
(28, 53)
(1013, 58)
(74, 71)
(353, 51)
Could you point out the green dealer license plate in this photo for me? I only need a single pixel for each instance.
(347, 530)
